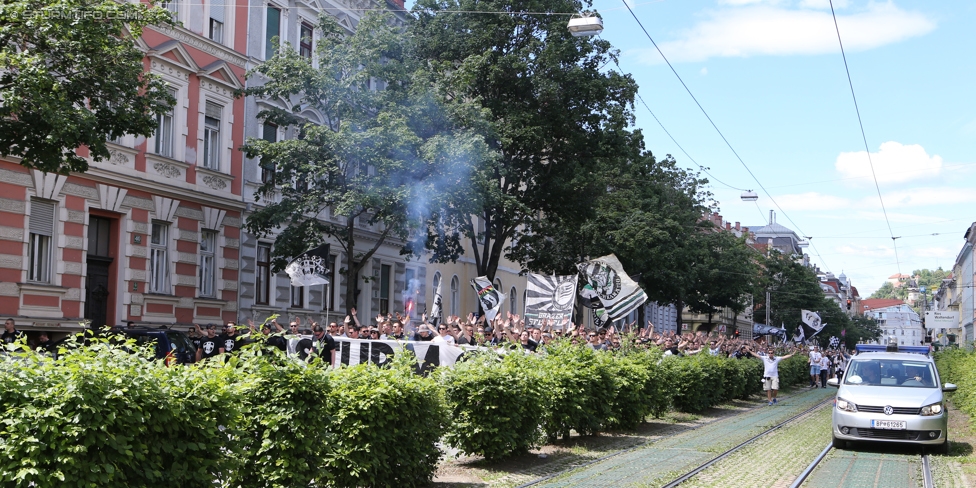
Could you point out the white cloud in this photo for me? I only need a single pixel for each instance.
(755, 30)
(919, 197)
(812, 201)
(823, 4)
(902, 218)
(893, 163)
(704, 71)
(865, 251)
(934, 252)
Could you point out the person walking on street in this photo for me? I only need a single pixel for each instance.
(770, 372)
(815, 358)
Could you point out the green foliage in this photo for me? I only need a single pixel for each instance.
(285, 429)
(553, 112)
(958, 366)
(495, 404)
(634, 394)
(71, 76)
(101, 416)
(580, 389)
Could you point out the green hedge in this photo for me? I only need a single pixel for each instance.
(959, 367)
(102, 416)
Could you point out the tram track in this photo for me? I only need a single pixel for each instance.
(925, 462)
(691, 474)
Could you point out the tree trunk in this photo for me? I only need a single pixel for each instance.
(352, 270)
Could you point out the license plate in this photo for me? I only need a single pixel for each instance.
(889, 424)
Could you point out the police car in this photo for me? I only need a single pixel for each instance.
(891, 394)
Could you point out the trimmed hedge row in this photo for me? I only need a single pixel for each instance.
(505, 407)
(103, 416)
(959, 366)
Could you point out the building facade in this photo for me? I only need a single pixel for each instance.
(896, 319)
(151, 235)
(958, 293)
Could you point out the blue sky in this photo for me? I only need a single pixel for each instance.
(771, 76)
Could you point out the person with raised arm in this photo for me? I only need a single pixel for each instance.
(770, 372)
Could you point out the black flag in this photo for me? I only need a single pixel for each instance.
(310, 268)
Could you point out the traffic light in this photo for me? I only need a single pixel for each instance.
(736, 333)
(848, 303)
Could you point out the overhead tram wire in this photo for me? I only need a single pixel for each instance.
(714, 126)
(864, 137)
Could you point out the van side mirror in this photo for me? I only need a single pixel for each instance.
(949, 387)
(833, 382)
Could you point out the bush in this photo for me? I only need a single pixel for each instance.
(386, 423)
(495, 404)
(101, 416)
(580, 390)
(633, 398)
(959, 366)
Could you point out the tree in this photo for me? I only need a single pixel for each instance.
(71, 76)
(725, 272)
(371, 159)
(792, 287)
(554, 113)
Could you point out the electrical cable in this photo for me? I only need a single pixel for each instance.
(714, 126)
(864, 137)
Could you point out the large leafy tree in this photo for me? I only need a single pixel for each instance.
(554, 113)
(71, 76)
(374, 156)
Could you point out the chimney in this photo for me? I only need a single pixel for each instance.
(728, 226)
(744, 229)
(772, 217)
(737, 226)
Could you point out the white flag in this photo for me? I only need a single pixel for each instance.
(619, 294)
(549, 298)
(435, 309)
(491, 300)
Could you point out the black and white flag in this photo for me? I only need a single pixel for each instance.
(549, 298)
(435, 309)
(310, 267)
(811, 323)
(619, 294)
(491, 300)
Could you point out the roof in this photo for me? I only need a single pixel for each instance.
(773, 229)
(854, 291)
(876, 303)
(898, 276)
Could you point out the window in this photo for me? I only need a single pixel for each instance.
(211, 136)
(208, 247)
(513, 300)
(99, 231)
(216, 30)
(298, 297)
(173, 6)
(455, 295)
(262, 275)
(164, 130)
(39, 245)
(272, 30)
(408, 277)
(270, 134)
(385, 288)
(158, 258)
(305, 41)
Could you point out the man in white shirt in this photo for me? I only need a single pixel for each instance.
(824, 370)
(770, 373)
(815, 358)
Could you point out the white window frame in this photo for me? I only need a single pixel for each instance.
(163, 142)
(267, 277)
(298, 292)
(208, 263)
(40, 239)
(159, 272)
(212, 135)
(513, 301)
(216, 31)
(455, 295)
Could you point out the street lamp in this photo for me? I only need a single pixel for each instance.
(585, 25)
(749, 196)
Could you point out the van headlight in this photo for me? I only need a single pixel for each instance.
(845, 405)
(933, 409)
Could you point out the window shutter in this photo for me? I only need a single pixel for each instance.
(42, 217)
(213, 110)
(217, 9)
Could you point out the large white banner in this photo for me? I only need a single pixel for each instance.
(429, 355)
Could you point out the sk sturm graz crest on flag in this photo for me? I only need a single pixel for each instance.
(589, 299)
(491, 300)
(811, 324)
(310, 268)
(549, 298)
(619, 294)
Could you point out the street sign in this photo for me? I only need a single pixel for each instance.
(941, 319)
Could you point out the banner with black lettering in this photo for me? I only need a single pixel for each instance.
(549, 298)
(430, 355)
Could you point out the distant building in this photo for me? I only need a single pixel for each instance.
(782, 239)
(957, 293)
(896, 319)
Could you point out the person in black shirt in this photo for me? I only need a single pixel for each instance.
(209, 344)
(323, 344)
(229, 341)
(10, 332)
(44, 342)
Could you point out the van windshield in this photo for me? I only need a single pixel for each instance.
(891, 372)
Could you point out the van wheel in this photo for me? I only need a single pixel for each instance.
(839, 444)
